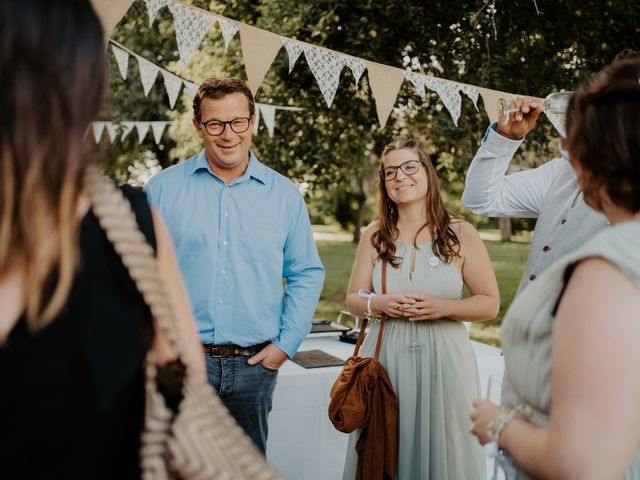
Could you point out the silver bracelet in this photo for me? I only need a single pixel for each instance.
(496, 426)
(368, 296)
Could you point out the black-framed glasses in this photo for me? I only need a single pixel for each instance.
(216, 127)
(409, 167)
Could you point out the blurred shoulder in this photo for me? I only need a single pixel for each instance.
(464, 230)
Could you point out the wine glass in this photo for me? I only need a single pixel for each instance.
(412, 340)
(554, 103)
(494, 395)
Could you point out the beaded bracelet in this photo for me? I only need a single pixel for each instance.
(495, 427)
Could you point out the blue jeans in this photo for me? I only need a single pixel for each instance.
(247, 391)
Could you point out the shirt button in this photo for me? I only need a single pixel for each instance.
(226, 214)
(564, 220)
(225, 243)
(224, 272)
(220, 301)
(532, 277)
(546, 248)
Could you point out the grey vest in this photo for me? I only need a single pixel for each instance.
(565, 223)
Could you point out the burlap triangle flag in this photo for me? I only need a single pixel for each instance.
(385, 84)
(490, 99)
(110, 12)
(259, 49)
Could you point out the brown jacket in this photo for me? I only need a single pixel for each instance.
(362, 397)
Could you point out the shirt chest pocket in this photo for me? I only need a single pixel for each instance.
(262, 240)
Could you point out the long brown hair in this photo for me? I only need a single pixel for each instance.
(445, 242)
(52, 66)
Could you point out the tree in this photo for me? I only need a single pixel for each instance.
(505, 45)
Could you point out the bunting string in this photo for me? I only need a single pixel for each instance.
(173, 83)
(259, 48)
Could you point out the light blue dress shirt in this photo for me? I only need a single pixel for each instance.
(235, 243)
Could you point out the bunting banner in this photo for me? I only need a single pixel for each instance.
(191, 27)
(152, 8)
(110, 12)
(173, 83)
(385, 84)
(259, 50)
(260, 47)
(126, 127)
(148, 73)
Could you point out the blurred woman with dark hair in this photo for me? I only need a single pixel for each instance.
(74, 331)
(571, 338)
(425, 346)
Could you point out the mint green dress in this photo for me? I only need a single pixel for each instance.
(432, 367)
(527, 330)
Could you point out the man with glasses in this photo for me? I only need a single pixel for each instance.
(239, 228)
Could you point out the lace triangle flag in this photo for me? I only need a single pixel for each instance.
(143, 129)
(229, 29)
(98, 129)
(259, 49)
(449, 93)
(326, 67)
(158, 129)
(557, 120)
(148, 73)
(172, 84)
(471, 92)
(152, 8)
(356, 65)
(269, 117)
(122, 59)
(126, 129)
(191, 25)
(190, 89)
(112, 130)
(294, 49)
(385, 84)
(418, 81)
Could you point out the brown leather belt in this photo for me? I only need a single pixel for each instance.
(232, 350)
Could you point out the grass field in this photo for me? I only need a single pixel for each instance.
(337, 256)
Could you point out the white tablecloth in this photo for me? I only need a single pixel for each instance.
(302, 442)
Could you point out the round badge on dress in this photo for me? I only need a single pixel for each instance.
(434, 261)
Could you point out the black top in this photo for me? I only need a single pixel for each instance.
(72, 394)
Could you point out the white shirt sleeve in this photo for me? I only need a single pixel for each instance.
(488, 191)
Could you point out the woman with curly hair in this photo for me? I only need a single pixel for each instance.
(425, 346)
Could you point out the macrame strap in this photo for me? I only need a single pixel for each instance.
(117, 219)
(366, 319)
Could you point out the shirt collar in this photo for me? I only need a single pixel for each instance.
(255, 169)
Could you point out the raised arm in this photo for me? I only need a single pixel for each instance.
(488, 191)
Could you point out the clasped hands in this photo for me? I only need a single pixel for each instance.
(412, 306)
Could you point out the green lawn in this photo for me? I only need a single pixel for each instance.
(337, 256)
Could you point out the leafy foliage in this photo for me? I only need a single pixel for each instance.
(522, 46)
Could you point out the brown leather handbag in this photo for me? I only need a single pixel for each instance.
(362, 397)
